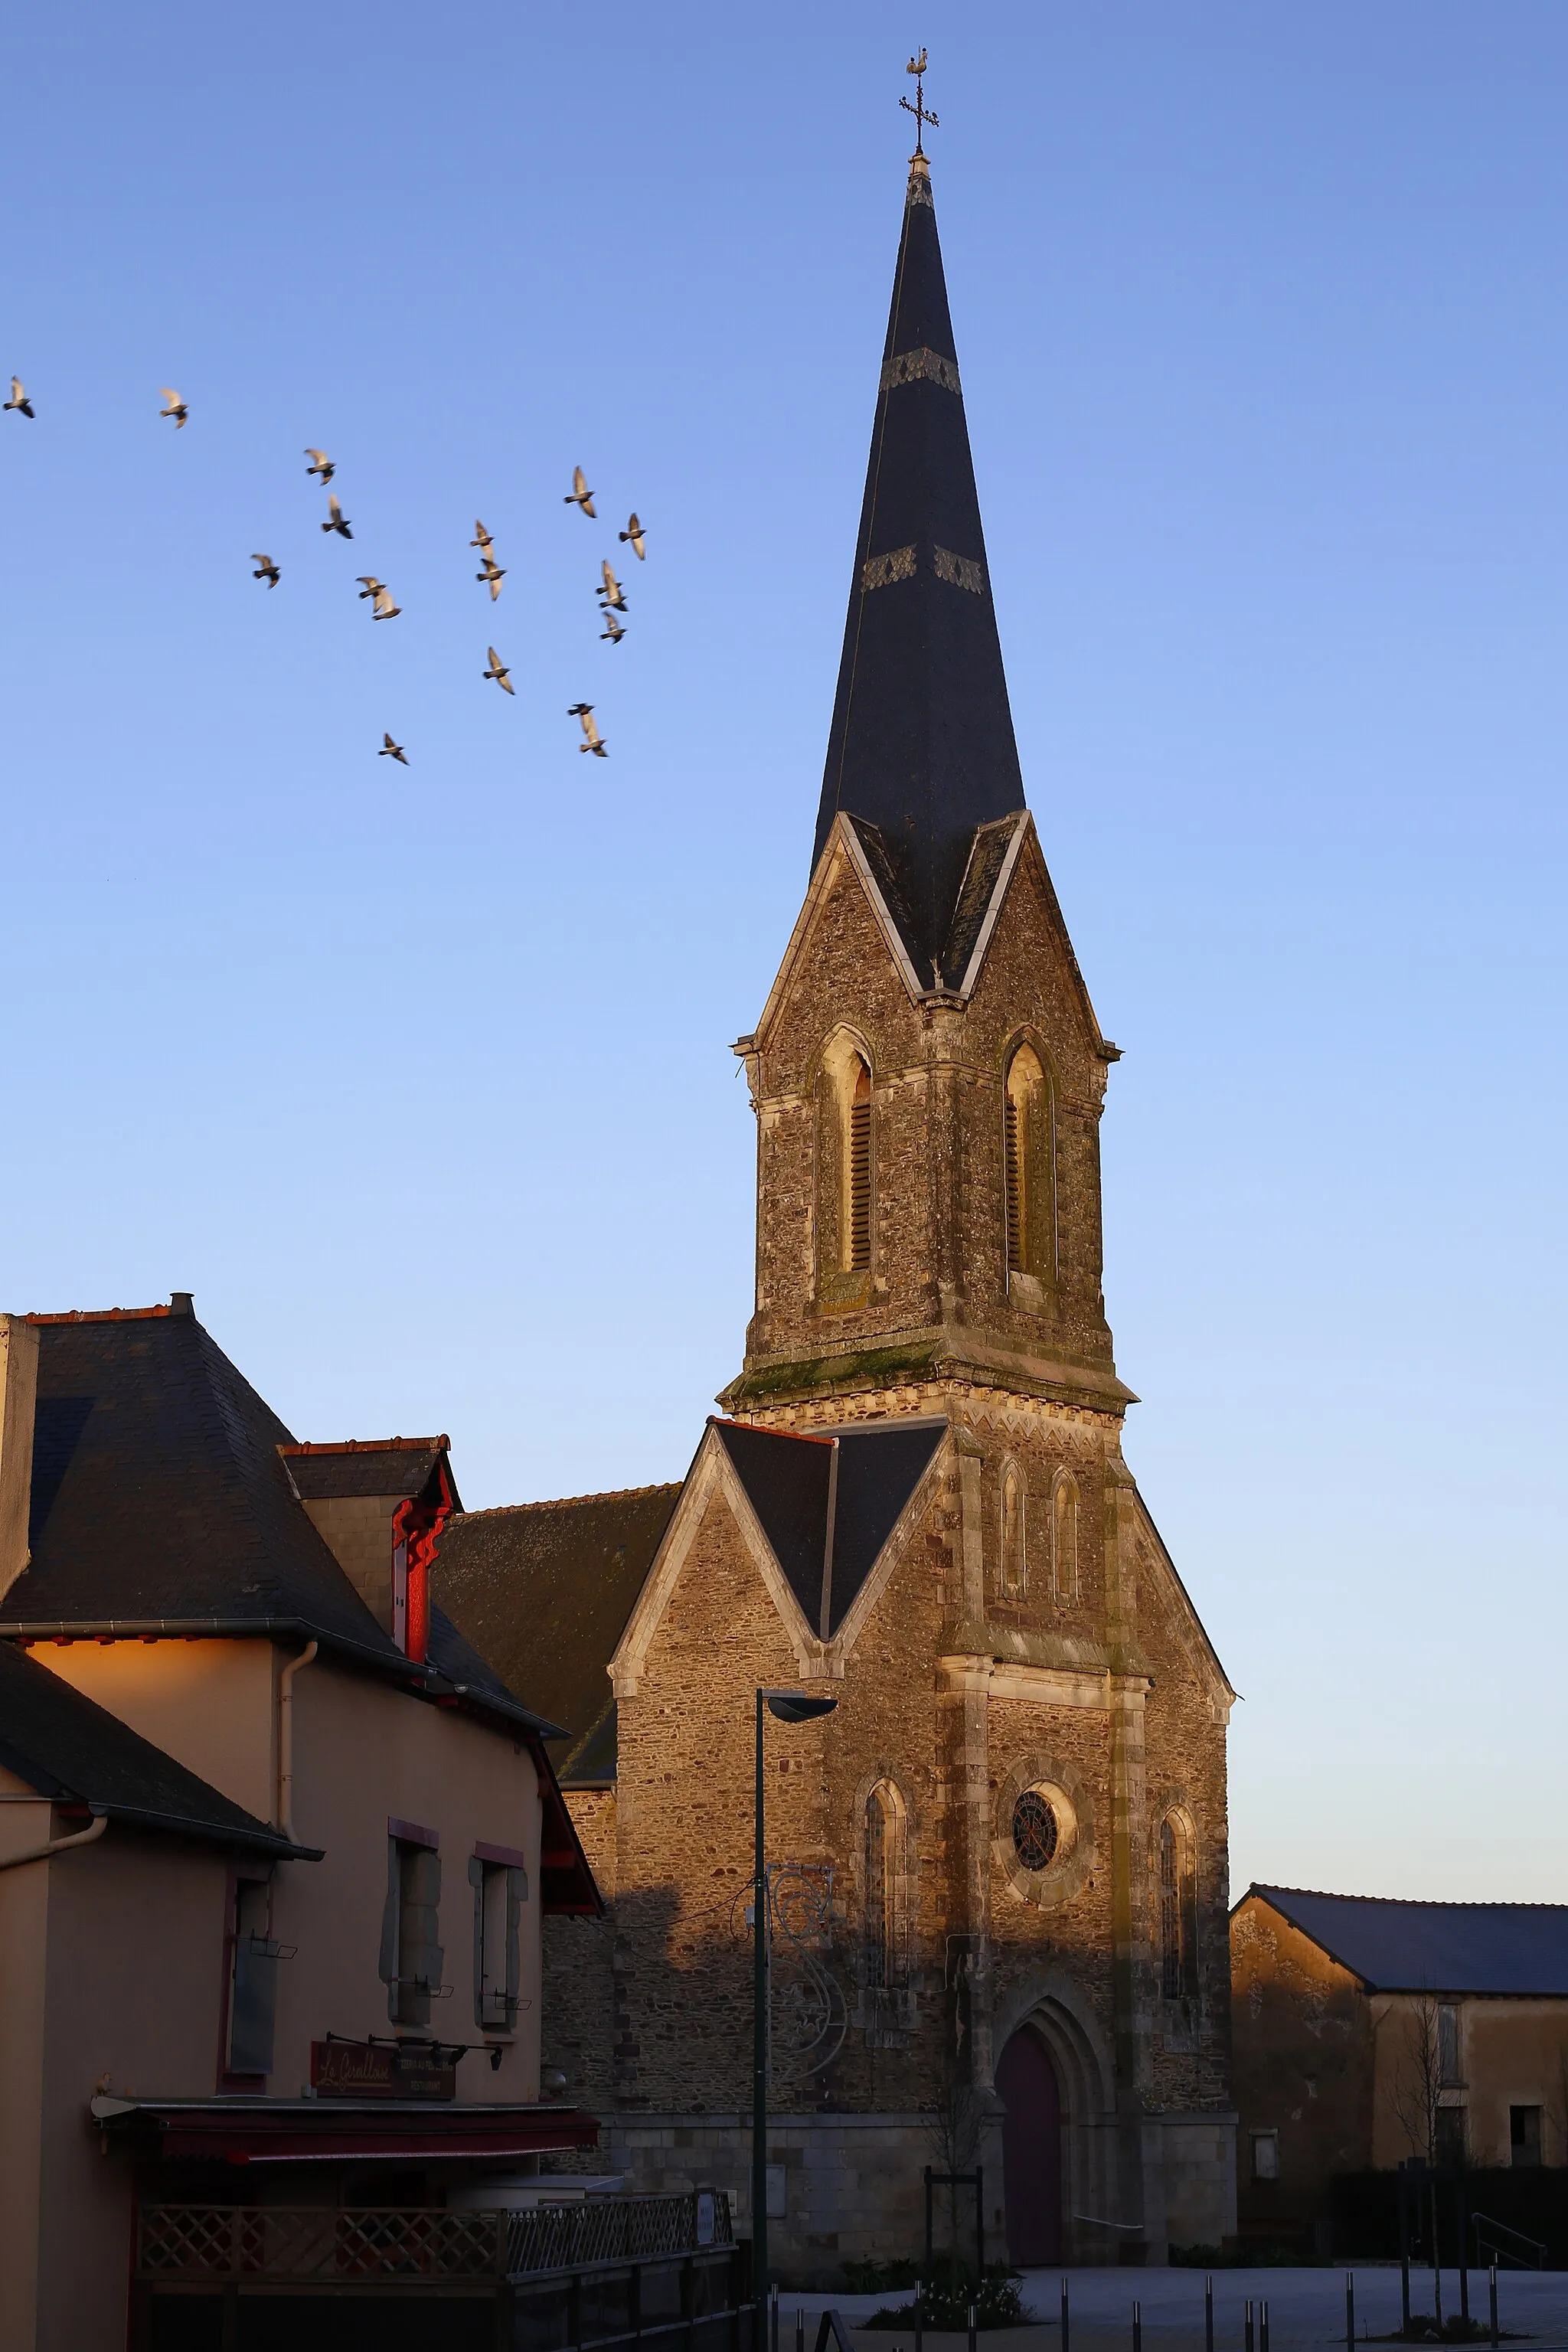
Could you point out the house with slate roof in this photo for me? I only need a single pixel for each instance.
(1369, 2031)
(999, 1866)
(275, 1843)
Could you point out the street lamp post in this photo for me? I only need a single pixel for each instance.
(788, 1707)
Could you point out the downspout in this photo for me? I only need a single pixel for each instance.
(57, 1845)
(286, 1740)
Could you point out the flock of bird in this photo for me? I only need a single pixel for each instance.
(612, 597)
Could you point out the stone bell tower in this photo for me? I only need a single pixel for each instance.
(928, 1077)
(929, 1072)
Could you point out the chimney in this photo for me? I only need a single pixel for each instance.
(18, 1396)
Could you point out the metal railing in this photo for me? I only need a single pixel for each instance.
(1525, 2253)
(616, 2230)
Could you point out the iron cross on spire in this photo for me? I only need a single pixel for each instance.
(916, 66)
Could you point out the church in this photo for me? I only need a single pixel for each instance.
(998, 1871)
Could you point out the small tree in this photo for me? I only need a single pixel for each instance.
(953, 2137)
(1420, 2077)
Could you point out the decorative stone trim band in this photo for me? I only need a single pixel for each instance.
(918, 191)
(899, 564)
(962, 571)
(882, 571)
(918, 367)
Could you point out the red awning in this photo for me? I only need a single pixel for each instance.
(296, 2131)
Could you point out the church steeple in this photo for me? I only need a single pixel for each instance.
(922, 746)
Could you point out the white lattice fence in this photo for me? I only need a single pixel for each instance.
(317, 2242)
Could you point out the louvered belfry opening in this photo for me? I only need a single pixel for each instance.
(859, 1218)
(1013, 1143)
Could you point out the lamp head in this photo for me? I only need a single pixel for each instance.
(796, 1706)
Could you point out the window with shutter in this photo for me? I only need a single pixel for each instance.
(411, 1956)
(253, 1981)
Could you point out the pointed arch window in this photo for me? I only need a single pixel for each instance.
(1029, 1177)
(1064, 1537)
(1014, 1560)
(846, 1173)
(1177, 1910)
(884, 1867)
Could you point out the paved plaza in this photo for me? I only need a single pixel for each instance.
(1306, 2307)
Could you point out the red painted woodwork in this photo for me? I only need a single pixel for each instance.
(1031, 2150)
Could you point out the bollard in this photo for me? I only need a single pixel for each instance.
(919, 2316)
(800, 2331)
(773, 2319)
(1208, 2314)
(1350, 2311)
(1065, 2317)
(1137, 2328)
(1263, 2327)
(1491, 2293)
(1404, 2287)
(972, 2328)
(1247, 2337)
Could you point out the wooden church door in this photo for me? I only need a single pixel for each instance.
(1031, 2150)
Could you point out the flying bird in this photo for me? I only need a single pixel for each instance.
(19, 399)
(481, 538)
(499, 670)
(322, 466)
(176, 408)
(580, 495)
(594, 740)
(391, 751)
(336, 522)
(265, 570)
(612, 628)
(494, 573)
(383, 609)
(611, 590)
(371, 587)
(634, 533)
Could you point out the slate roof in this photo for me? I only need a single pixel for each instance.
(1441, 1947)
(787, 1478)
(66, 1746)
(543, 1591)
(161, 1502)
(922, 743)
(367, 1467)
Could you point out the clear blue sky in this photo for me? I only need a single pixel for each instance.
(420, 1079)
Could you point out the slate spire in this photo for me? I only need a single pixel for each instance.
(922, 744)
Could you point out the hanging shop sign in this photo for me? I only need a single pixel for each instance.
(382, 2070)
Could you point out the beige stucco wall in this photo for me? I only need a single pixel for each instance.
(128, 1935)
(363, 1751)
(24, 1945)
(112, 1962)
(211, 1704)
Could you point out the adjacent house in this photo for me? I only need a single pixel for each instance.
(274, 1844)
(1367, 2032)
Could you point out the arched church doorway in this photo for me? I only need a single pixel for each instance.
(1031, 2150)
